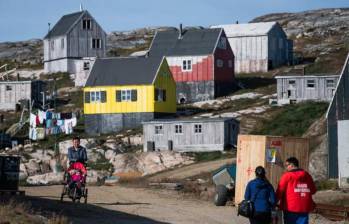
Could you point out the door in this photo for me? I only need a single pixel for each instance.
(343, 153)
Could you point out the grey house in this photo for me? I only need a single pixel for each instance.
(297, 88)
(338, 127)
(73, 43)
(13, 92)
(258, 47)
(190, 135)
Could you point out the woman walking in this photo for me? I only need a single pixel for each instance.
(262, 193)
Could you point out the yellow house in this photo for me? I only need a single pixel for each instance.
(123, 92)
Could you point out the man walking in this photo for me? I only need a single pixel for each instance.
(77, 153)
(294, 192)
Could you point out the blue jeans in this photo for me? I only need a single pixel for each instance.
(296, 218)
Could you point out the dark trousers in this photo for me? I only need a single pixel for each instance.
(261, 218)
(296, 218)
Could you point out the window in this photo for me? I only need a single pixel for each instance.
(52, 44)
(159, 130)
(160, 95)
(86, 65)
(330, 83)
(126, 95)
(230, 63)
(311, 83)
(8, 88)
(292, 83)
(86, 24)
(186, 66)
(62, 43)
(197, 128)
(220, 63)
(96, 43)
(96, 97)
(178, 129)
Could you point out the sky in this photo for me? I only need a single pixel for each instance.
(28, 19)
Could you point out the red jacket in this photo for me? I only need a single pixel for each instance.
(78, 166)
(295, 191)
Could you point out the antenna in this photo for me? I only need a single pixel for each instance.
(81, 9)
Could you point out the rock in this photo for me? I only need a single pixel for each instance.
(55, 166)
(96, 177)
(110, 154)
(111, 145)
(93, 155)
(23, 174)
(133, 140)
(28, 148)
(147, 163)
(45, 155)
(33, 167)
(46, 179)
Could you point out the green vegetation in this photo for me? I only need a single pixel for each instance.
(100, 164)
(210, 156)
(62, 80)
(326, 185)
(292, 120)
(13, 212)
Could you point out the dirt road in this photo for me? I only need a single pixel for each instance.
(132, 205)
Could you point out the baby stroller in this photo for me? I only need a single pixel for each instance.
(74, 184)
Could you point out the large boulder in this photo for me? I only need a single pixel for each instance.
(46, 179)
(33, 167)
(23, 174)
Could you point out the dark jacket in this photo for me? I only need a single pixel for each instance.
(262, 193)
(79, 155)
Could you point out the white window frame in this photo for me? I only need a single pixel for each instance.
(332, 86)
(86, 65)
(88, 24)
(126, 95)
(187, 65)
(290, 84)
(197, 128)
(96, 43)
(158, 129)
(220, 63)
(314, 84)
(178, 129)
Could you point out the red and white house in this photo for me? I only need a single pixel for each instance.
(201, 62)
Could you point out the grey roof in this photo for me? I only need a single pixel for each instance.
(64, 24)
(190, 120)
(193, 42)
(123, 71)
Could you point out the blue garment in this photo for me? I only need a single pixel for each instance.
(262, 193)
(296, 218)
(78, 155)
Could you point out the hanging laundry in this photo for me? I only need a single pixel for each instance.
(32, 133)
(66, 115)
(48, 115)
(32, 120)
(40, 133)
(42, 116)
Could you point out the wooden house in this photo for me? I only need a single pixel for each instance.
(297, 87)
(122, 92)
(13, 92)
(190, 135)
(337, 127)
(201, 61)
(258, 47)
(74, 41)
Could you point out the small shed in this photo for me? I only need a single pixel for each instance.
(258, 47)
(269, 152)
(297, 87)
(12, 92)
(190, 135)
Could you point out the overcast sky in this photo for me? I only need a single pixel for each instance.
(27, 19)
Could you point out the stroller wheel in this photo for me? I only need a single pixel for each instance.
(74, 195)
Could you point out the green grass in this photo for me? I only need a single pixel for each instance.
(62, 80)
(210, 156)
(292, 120)
(326, 185)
